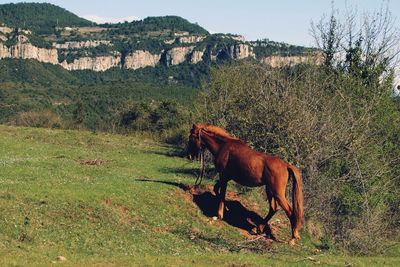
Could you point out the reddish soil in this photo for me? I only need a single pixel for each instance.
(122, 211)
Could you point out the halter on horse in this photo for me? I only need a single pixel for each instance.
(234, 160)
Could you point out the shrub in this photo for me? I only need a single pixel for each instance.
(46, 119)
(342, 132)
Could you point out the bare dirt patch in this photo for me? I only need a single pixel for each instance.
(122, 211)
(162, 230)
(93, 162)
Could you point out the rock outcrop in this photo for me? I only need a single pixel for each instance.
(140, 59)
(192, 39)
(4, 52)
(177, 55)
(24, 50)
(189, 39)
(78, 45)
(280, 61)
(88, 60)
(241, 51)
(101, 63)
(196, 56)
(3, 38)
(6, 29)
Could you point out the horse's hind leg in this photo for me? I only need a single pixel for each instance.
(273, 208)
(289, 212)
(217, 187)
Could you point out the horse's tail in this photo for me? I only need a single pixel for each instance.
(297, 195)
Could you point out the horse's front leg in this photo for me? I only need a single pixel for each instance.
(221, 198)
(217, 186)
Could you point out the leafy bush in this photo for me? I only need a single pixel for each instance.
(156, 117)
(342, 132)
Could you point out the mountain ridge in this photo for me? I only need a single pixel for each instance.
(81, 45)
(40, 17)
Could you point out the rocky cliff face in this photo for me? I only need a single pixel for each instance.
(24, 50)
(78, 45)
(101, 63)
(140, 59)
(4, 52)
(241, 51)
(191, 39)
(5, 29)
(170, 55)
(197, 56)
(177, 55)
(280, 61)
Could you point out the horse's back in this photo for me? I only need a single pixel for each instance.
(245, 165)
(265, 167)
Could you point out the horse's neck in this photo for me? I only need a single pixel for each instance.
(212, 142)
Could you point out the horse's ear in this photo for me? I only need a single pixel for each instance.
(200, 125)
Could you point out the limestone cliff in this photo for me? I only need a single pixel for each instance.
(84, 44)
(6, 29)
(3, 37)
(177, 55)
(24, 50)
(196, 56)
(280, 61)
(191, 39)
(101, 63)
(140, 59)
(169, 54)
(4, 51)
(241, 51)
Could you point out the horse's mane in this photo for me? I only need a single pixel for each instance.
(216, 131)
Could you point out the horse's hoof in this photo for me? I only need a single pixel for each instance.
(292, 242)
(254, 230)
(261, 229)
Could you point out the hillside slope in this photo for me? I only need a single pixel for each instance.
(115, 200)
(39, 17)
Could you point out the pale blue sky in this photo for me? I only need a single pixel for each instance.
(278, 20)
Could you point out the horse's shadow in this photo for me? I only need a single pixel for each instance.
(235, 213)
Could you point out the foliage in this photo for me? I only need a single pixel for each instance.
(39, 41)
(154, 46)
(71, 54)
(264, 48)
(40, 17)
(156, 24)
(368, 49)
(342, 132)
(44, 119)
(86, 99)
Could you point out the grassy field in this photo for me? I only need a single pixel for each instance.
(109, 200)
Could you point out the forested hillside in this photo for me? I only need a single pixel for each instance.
(42, 18)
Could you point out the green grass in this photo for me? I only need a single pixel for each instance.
(53, 204)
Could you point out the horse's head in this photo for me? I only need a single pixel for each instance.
(194, 145)
(196, 140)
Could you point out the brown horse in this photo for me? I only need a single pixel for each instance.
(234, 160)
